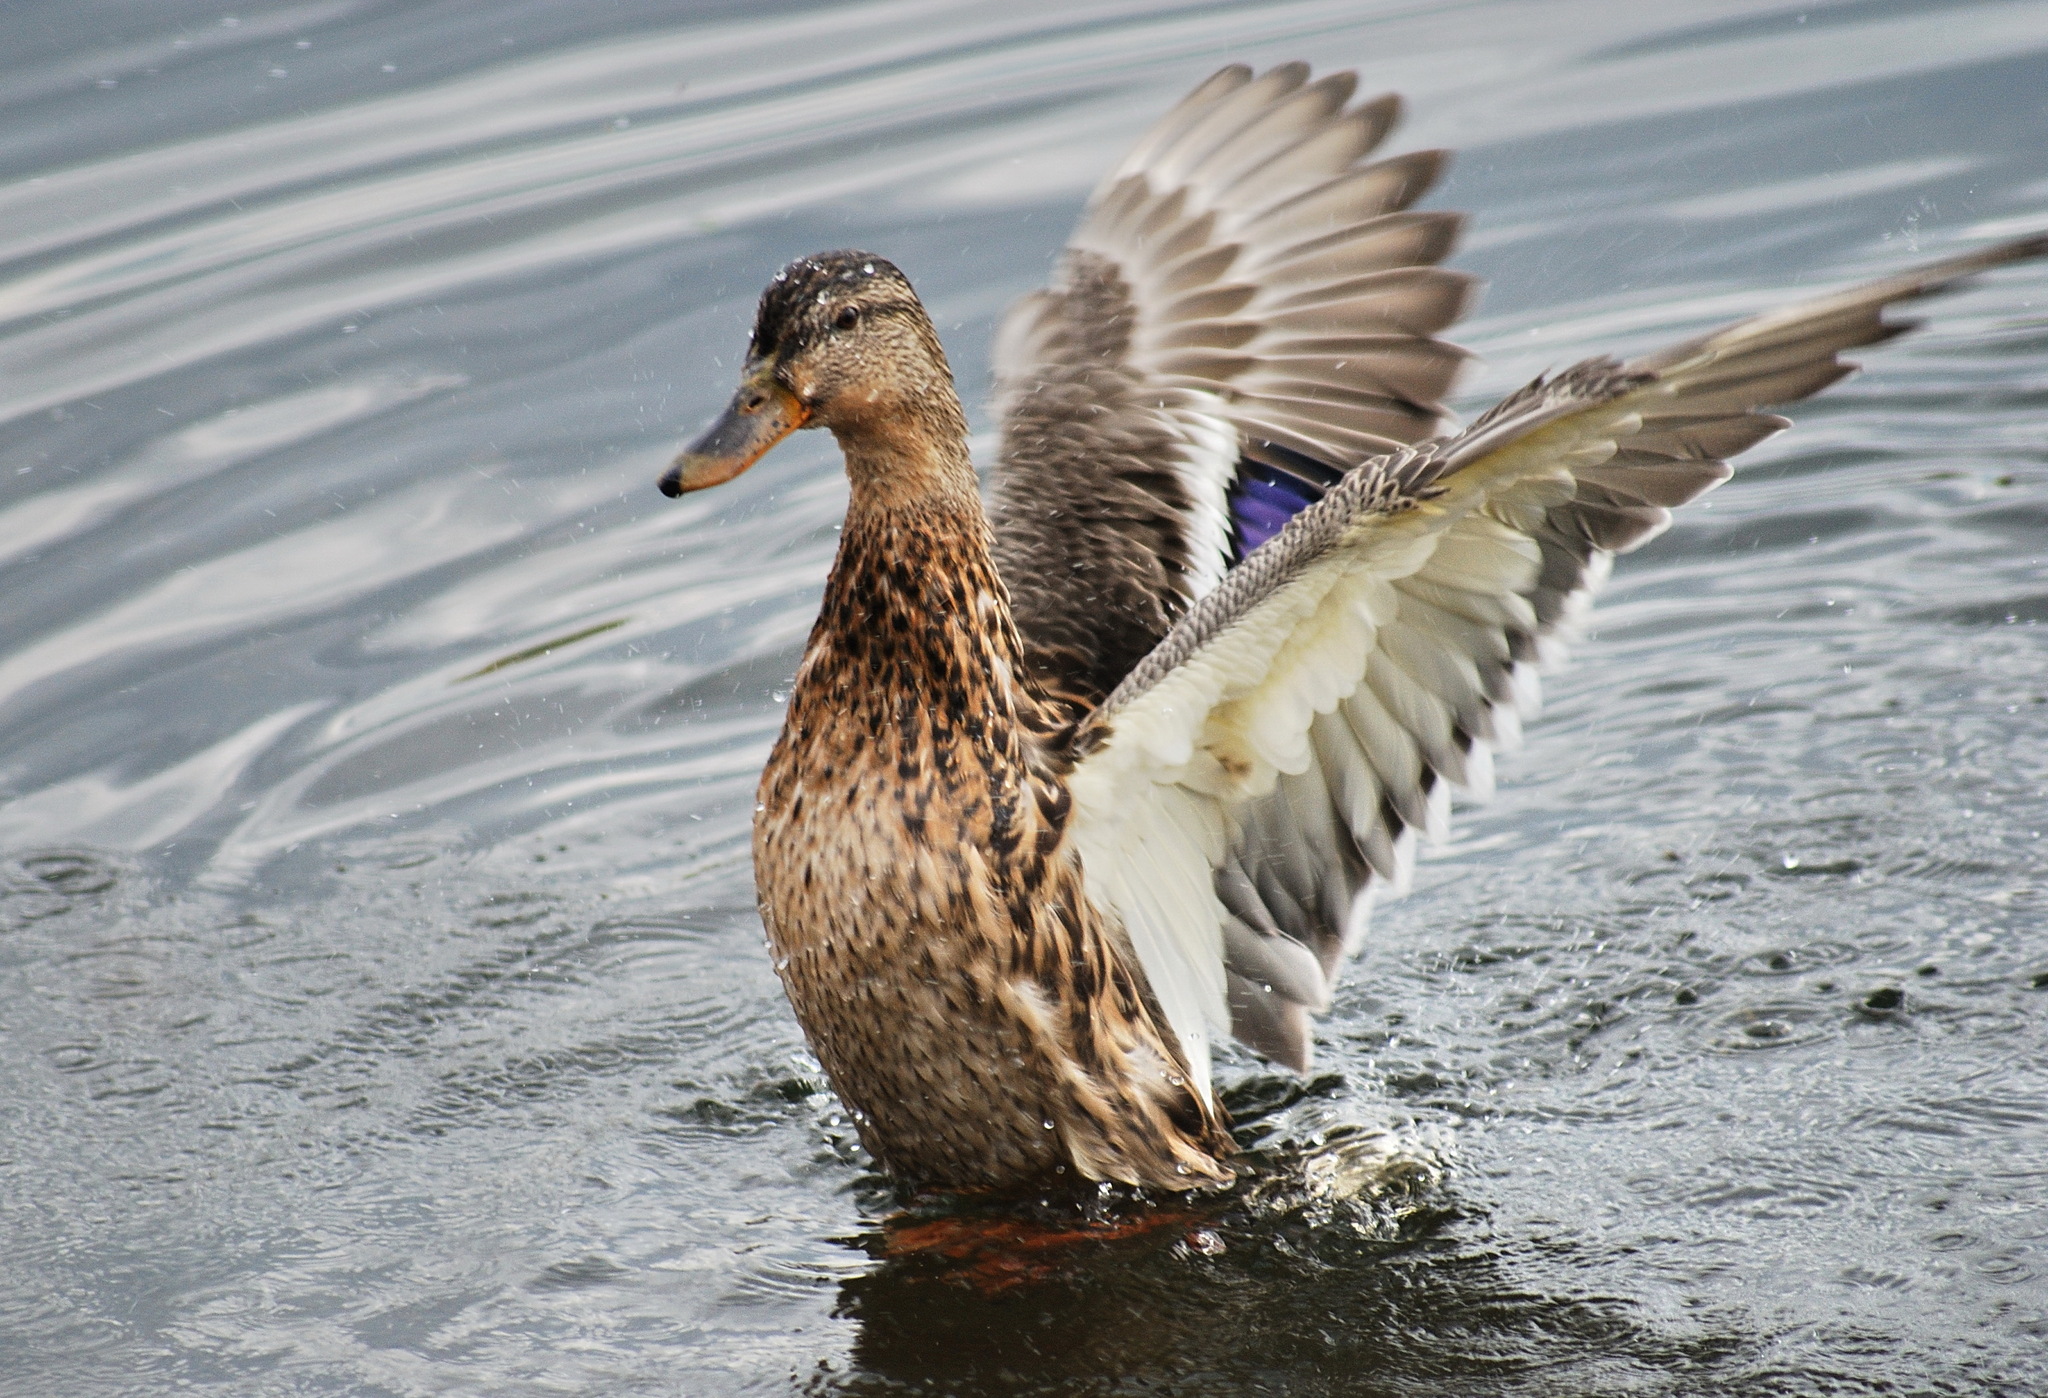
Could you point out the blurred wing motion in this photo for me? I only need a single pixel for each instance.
(1243, 313)
(1269, 762)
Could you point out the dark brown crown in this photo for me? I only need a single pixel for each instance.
(801, 304)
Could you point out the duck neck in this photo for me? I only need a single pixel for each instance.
(910, 457)
(915, 618)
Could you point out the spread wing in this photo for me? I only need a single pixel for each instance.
(1244, 312)
(1269, 763)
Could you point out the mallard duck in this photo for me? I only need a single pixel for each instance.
(1077, 781)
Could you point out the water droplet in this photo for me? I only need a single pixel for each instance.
(1790, 861)
(1046, 1124)
(1181, 1168)
(868, 267)
(782, 963)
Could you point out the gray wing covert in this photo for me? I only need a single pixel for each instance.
(1245, 311)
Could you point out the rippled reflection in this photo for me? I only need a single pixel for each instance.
(384, 1009)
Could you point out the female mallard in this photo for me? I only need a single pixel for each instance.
(1072, 783)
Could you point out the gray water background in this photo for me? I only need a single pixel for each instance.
(382, 1007)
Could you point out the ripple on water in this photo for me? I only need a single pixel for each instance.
(1768, 1024)
(38, 884)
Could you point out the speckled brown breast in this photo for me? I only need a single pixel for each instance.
(927, 917)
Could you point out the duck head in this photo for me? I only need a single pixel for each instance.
(840, 341)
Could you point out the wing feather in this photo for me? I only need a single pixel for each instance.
(1242, 288)
(1299, 725)
(1371, 245)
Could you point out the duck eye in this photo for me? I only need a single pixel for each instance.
(847, 318)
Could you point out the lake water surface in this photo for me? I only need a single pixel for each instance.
(382, 1006)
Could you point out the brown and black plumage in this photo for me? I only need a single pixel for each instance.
(1071, 785)
(970, 1002)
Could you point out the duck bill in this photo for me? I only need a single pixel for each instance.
(761, 414)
